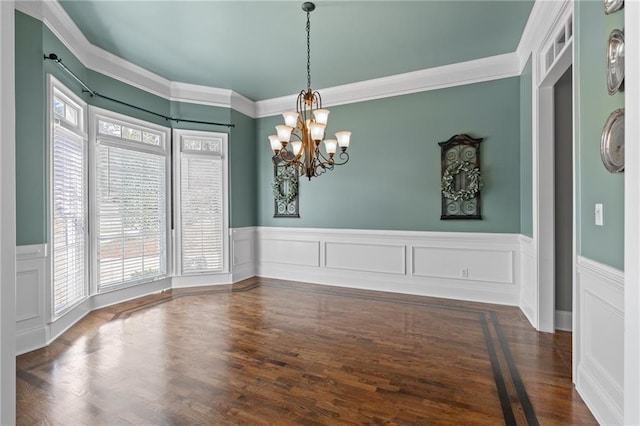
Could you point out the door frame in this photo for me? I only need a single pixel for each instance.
(551, 59)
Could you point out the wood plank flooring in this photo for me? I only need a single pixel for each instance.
(277, 352)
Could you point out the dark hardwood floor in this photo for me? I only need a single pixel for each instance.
(276, 352)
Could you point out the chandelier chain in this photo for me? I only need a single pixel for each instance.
(308, 52)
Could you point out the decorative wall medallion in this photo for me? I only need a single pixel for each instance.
(461, 179)
(612, 142)
(285, 191)
(615, 61)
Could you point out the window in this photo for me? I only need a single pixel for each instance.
(201, 200)
(110, 201)
(131, 174)
(68, 199)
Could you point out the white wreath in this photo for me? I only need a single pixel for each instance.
(474, 181)
(287, 175)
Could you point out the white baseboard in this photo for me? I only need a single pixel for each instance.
(201, 280)
(564, 320)
(28, 340)
(604, 408)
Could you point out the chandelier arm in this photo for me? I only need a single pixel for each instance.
(344, 155)
(322, 157)
(318, 99)
(318, 170)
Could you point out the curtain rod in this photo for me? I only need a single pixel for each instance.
(53, 57)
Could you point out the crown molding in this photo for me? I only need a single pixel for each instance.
(538, 26)
(243, 104)
(53, 15)
(479, 70)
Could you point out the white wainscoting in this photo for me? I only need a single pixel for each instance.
(600, 339)
(31, 277)
(528, 289)
(34, 329)
(466, 266)
(243, 250)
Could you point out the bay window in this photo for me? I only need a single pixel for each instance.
(131, 208)
(113, 181)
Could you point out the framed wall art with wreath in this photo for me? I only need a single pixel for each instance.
(461, 178)
(285, 190)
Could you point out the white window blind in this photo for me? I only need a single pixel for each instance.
(69, 201)
(68, 197)
(131, 212)
(201, 196)
(201, 213)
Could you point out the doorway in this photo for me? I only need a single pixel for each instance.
(563, 199)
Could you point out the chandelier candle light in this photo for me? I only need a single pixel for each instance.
(306, 126)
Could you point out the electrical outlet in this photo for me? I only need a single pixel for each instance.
(599, 214)
(464, 273)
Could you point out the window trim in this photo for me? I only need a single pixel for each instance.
(178, 136)
(96, 113)
(56, 88)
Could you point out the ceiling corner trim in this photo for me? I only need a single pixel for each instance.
(243, 104)
(31, 8)
(475, 71)
(196, 94)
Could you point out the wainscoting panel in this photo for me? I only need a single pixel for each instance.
(28, 298)
(389, 259)
(528, 288)
(243, 246)
(31, 261)
(242, 251)
(600, 336)
(474, 264)
(289, 251)
(424, 263)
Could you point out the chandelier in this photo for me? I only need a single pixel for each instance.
(297, 142)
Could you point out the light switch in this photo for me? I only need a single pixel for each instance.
(599, 214)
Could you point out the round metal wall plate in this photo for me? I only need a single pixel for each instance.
(615, 61)
(612, 142)
(611, 6)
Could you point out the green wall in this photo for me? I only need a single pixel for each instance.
(30, 132)
(526, 160)
(33, 39)
(392, 181)
(603, 244)
(242, 171)
(393, 178)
